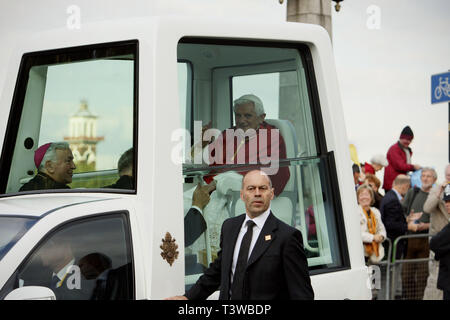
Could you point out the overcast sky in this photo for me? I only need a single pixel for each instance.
(386, 52)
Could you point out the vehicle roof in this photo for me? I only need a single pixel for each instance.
(41, 205)
(46, 14)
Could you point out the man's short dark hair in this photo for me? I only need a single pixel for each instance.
(355, 168)
(125, 160)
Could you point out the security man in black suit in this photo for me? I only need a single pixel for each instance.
(393, 215)
(261, 257)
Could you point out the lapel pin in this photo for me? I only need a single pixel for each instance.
(268, 237)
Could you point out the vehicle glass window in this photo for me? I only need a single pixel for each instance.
(184, 93)
(283, 102)
(11, 230)
(72, 120)
(83, 260)
(282, 137)
(185, 98)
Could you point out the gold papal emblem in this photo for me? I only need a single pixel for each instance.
(169, 248)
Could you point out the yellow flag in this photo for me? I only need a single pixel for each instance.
(354, 154)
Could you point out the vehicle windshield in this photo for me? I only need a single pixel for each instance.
(11, 230)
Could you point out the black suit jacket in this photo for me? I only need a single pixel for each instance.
(392, 216)
(118, 285)
(277, 267)
(66, 292)
(440, 244)
(194, 226)
(36, 274)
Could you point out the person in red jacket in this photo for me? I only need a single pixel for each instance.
(250, 148)
(399, 158)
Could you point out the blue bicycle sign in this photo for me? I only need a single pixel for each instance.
(440, 88)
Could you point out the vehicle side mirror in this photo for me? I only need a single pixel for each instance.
(31, 293)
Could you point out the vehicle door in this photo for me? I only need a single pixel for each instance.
(88, 251)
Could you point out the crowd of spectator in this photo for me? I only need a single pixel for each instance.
(406, 209)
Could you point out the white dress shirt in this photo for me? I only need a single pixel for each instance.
(399, 196)
(259, 221)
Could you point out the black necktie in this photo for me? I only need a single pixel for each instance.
(241, 265)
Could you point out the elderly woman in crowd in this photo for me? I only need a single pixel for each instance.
(377, 163)
(375, 184)
(373, 231)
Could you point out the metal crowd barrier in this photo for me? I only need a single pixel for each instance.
(386, 263)
(400, 263)
(391, 264)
